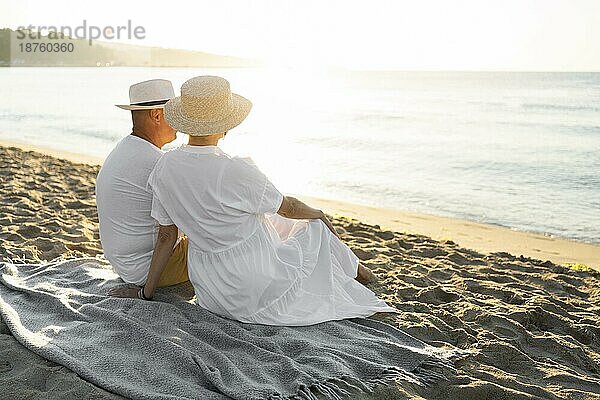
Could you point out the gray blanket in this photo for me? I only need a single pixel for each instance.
(171, 348)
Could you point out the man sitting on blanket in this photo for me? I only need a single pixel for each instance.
(127, 231)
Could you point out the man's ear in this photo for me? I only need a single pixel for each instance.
(156, 115)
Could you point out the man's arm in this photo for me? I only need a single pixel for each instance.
(293, 208)
(167, 236)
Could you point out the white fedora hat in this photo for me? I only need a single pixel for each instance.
(148, 95)
(206, 106)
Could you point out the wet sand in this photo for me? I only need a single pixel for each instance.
(533, 326)
(485, 238)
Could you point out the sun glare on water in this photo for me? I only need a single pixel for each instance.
(284, 127)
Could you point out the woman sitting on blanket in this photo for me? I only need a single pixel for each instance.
(254, 255)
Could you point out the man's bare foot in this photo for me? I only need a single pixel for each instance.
(365, 275)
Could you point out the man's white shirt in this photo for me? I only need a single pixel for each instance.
(127, 230)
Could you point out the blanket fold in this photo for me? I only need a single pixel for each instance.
(171, 348)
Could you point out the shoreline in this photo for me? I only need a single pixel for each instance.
(481, 237)
(484, 238)
(65, 155)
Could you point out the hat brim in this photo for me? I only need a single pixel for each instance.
(133, 108)
(178, 121)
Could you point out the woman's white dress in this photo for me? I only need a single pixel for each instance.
(245, 261)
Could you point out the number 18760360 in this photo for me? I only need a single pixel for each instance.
(37, 47)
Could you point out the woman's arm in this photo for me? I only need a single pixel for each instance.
(293, 208)
(167, 236)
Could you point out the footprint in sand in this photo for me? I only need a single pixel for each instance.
(363, 254)
(5, 366)
(29, 231)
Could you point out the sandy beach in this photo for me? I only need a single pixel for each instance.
(532, 324)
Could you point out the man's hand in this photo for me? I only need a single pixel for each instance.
(125, 292)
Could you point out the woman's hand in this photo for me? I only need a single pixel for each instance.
(293, 208)
(125, 292)
(330, 226)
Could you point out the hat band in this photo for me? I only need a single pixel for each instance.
(150, 103)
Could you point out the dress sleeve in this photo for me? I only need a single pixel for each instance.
(246, 188)
(157, 211)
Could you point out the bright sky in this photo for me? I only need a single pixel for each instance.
(365, 34)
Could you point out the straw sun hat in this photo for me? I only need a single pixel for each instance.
(206, 106)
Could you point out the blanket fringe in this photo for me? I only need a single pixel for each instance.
(56, 260)
(427, 373)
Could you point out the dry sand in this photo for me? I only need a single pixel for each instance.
(533, 326)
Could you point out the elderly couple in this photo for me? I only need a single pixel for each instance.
(251, 253)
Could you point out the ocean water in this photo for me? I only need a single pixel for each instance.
(520, 150)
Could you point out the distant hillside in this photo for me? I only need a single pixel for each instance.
(106, 54)
(4, 47)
